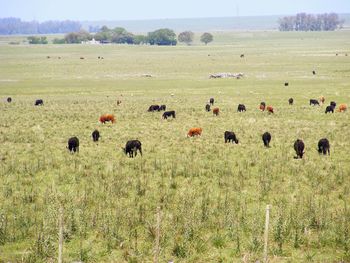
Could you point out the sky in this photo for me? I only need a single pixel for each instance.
(42, 10)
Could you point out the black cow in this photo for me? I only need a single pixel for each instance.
(299, 148)
(131, 147)
(39, 102)
(95, 135)
(73, 145)
(291, 101)
(323, 146)
(333, 104)
(230, 137)
(207, 107)
(286, 84)
(242, 56)
(314, 102)
(9, 99)
(162, 107)
(153, 108)
(211, 101)
(314, 72)
(167, 114)
(266, 137)
(241, 108)
(329, 108)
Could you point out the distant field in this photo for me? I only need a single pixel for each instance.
(212, 195)
(202, 24)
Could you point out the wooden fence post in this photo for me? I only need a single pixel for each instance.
(60, 236)
(267, 220)
(156, 250)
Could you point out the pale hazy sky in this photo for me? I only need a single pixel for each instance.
(42, 10)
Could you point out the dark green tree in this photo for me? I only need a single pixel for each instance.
(162, 37)
(207, 38)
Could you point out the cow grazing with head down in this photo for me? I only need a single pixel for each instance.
(95, 135)
(286, 84)
(107, 118)
(342, 107)
(211, 101)
(73, 144)
(230, 137)
(241, 107)
(314, 102)
(39, 102)
(216, 111)
(313, 72)
(329, 108)
(291, 101)
(162, 107)
(194, 132)
(132, 147)
(167, 114)
(9, 99)
(153, 108)
(299, 148)
(266, 137)
(207, 107)
(262, 106)
(323, 146)
(269, 109)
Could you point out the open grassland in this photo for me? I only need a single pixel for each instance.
(212, 196)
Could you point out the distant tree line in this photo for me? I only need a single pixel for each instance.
(310, 22)
(11, 26)
(119, 35)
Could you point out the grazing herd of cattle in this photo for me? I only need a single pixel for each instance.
(133, 146)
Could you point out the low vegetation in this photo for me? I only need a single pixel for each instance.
(205, 198)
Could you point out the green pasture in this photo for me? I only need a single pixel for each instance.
(212, 196)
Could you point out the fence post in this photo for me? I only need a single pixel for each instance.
(60, 236)
(156, 252)
(267, 220)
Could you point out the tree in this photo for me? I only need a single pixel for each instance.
(309, 22)
(162, 37)
(37, 40)
(186, 37)
(140, 39)
(207, 38)
(121, 36)
(117, 35)
(11, 25)
(59, 41)
(77, 37)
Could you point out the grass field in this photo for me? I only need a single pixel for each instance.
(212, 196)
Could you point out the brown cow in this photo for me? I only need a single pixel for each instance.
(106, 118)
(322, 99)
(194, 131)
(216, 111)
(342, 107)
(269, 109)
